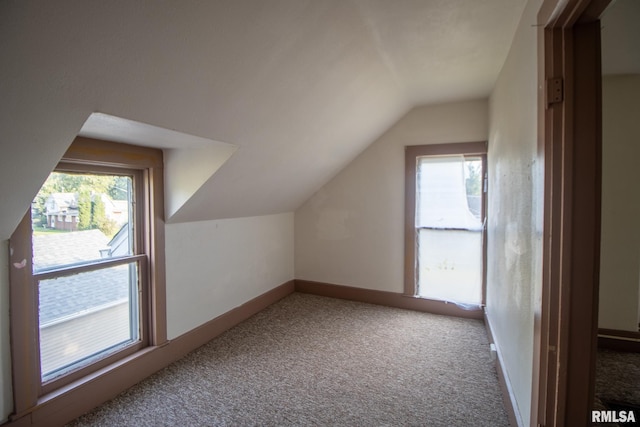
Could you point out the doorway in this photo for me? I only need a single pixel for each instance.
(570, 140)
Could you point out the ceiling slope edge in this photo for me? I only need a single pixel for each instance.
(189, 160)
(187, 169)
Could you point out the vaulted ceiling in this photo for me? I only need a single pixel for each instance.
(297, 88)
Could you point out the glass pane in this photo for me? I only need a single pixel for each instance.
(473, 185)
(81, 217)
(444, 185)
(87, 315)
(450, 265)
(449, 227)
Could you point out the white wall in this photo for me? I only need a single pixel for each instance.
(620, 244)
(212, 267)
(351, 232)
(515, 206)
(6, 401)
(215, 266)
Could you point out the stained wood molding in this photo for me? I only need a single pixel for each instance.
(614, 339)
(390, 299)
(68, 403)
(565, 317)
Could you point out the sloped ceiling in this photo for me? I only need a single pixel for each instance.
(299, 86)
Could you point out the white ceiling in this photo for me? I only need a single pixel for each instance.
(439, 50)
(300, 86)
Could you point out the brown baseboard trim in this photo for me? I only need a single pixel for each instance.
(68, 403)
(614, 339)
(390, 299)
(507, 396)
(199, 336)
(22, 422)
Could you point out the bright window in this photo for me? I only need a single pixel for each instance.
(86, 272)
(449, 228)
(90, 290)
(445, 214)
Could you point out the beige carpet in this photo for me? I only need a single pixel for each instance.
(310, 360)
(618, 377)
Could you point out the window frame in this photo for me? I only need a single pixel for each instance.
(90, 155)
(412, 152)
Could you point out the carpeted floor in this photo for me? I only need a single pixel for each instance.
(310, 360)
(617, 383)
(618, 377)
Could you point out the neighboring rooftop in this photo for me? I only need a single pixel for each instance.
(56, 249)
(57, 202)
(70, 296)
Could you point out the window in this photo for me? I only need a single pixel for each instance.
(445, 214)
(88, 278)
(89, 289)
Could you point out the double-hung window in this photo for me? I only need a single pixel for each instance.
(87, 275)
(445, 239)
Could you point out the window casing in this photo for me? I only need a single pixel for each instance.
(413, 154)
(144, 263)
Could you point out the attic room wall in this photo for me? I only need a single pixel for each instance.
(620, 244)
(212, 267)
(215, 266)
(516, 182)
(351, 232)
(6, 401)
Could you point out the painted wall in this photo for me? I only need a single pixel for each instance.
(6, 400)
(215, 266)
(351, 232)
(212, 267)
(516, 183)
(620, 244)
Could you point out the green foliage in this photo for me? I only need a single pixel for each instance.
(473, 180)
(99, 218)
(119, 188)
(98, 214)
(108, 227)
(84, 210)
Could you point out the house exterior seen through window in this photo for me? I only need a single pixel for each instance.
(88, 287)
(86, 308)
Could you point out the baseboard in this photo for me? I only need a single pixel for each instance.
(390, 299)
(199, 336)
(70, 402)
(614, 339)
(64, 405)
(505, 385)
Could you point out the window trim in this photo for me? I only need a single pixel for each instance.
(412, 152)
(93, 155)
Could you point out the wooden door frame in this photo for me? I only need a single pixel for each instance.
(569, 143)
